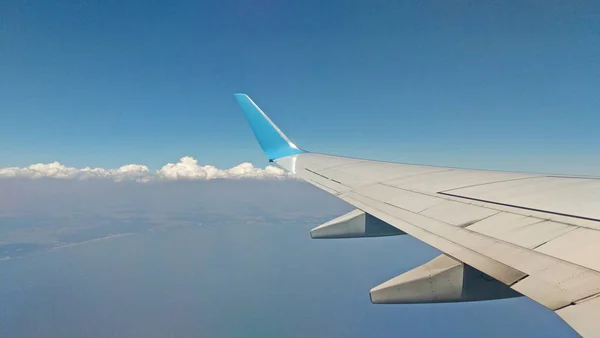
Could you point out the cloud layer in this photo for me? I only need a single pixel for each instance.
(186, 169)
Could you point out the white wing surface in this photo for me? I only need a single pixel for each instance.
(535, 235)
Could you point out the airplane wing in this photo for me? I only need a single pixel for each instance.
(503, 234)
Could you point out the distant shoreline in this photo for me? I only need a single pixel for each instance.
(60, 246)
(65, 245)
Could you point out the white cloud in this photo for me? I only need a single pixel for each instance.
(186, 169)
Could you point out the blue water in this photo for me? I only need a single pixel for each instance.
(239, 281)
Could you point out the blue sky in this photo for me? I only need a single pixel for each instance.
(511, 85)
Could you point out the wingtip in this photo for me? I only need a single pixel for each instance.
(271, 139)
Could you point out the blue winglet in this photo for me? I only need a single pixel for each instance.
(272, 141)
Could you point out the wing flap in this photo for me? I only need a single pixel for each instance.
(579, 246)
(583, 316)
(528, 232)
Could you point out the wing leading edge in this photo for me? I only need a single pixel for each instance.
(537, 234)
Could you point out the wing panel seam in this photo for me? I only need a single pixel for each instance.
(493, 182)
(520, 207)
